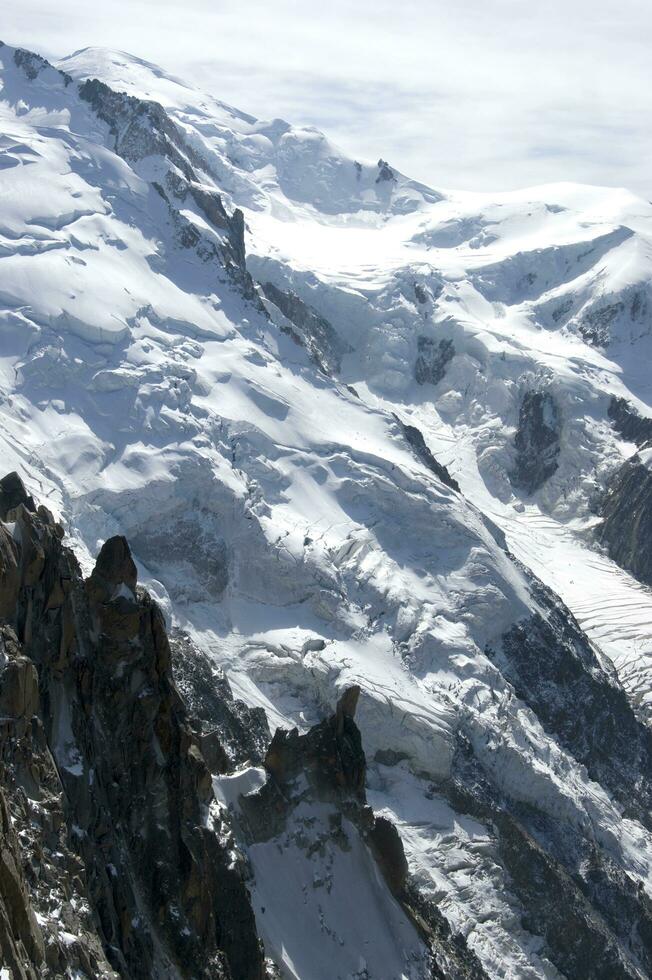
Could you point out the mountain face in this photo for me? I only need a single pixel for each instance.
(324, 553)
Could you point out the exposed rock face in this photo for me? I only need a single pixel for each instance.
(140, 129)
(418, 444)
(330, 754)
(47, 927)
(230, 733)
(432, 358)
(613, 315)
(114, 568)
(627, 421)
(86, 687)
(594, 918)
(627, 511)
(13, 493)
(308, 328)
(21, 940)
(626, 506)
(385, 172)
(554, 669)
(31, 63)
(536, 441)
(125, 848)
(594, 921)
(596, 325)
(9, 574)
(388, 850)
(326, 766)
(421, 297)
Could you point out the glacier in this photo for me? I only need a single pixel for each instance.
(218, 336)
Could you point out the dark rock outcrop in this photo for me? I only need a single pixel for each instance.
(617, 316)
(229, 732)
(385, 172)
(327, 765)
(308, 328)
(47, 928)
(596, 324)
(594, 921)
(102, 770)
(330, 755)
(387, 848)
(554, 670)
(537, 441)
(142, 128)
(9, 574)
(432, 358)
(114, 567)
(32, 64)
(13, 493)
(128, 867)
(626, 509)
(627, 421)
(422, 452)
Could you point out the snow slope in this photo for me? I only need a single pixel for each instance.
(280, 513)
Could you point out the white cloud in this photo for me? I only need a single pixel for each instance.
(478, 94)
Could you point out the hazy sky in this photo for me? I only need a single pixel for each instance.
(479, 94)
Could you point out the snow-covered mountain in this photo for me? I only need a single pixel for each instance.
(359, 434)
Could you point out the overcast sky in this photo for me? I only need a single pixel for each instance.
(476, 94)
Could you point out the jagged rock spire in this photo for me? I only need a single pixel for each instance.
(13, 493)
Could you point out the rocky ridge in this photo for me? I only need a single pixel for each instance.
(141, 129)
(125, 867)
